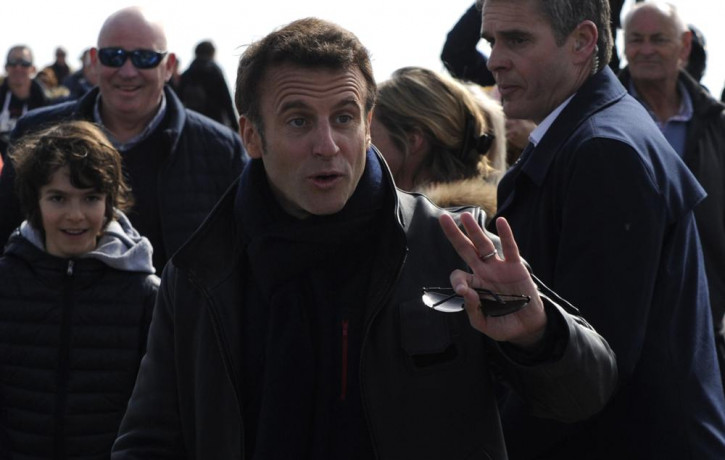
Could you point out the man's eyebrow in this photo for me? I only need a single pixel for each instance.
(298, 104)
(348, 101)
(292, 105)
(514, 33)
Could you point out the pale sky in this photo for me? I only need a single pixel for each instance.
(397, 32)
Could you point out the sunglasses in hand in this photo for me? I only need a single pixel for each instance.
(492, 304)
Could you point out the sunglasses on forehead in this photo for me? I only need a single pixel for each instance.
(20, 62)
(141, 59)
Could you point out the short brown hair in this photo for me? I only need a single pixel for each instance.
(309, 42)
(80, 145)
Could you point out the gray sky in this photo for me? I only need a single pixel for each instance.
(397, 32)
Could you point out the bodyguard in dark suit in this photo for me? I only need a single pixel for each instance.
(602, 208)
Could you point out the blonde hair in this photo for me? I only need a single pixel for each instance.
(464, 127)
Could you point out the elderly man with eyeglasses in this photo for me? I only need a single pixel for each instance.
(178, 161)
(18, 92)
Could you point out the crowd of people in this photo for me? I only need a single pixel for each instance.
(522, 258)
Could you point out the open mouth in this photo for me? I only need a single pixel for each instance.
(326, 180)
(74, 232)
(128, 88)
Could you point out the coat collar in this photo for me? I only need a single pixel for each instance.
(598, 92)
(175, 113)
(215, 249)
(703, 103)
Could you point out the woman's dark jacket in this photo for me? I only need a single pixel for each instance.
(200, 159)
(72, 334)
(426, 377)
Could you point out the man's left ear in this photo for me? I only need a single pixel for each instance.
(170, 66)
(686, 47)
(368, 136)
(251, 138)
(583, 40)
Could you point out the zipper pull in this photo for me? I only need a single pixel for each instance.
(69, 270)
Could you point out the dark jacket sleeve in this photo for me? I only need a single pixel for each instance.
(575, 380)
(460, 55)
(151, 427)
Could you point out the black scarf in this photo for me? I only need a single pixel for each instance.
(305, 276)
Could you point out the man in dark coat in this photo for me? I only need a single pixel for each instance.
(291, 325)
(179, 163)
(603, 210)
(203, 88)
(657, 44)
(19, 92)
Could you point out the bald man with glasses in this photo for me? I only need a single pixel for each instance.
(178, 161)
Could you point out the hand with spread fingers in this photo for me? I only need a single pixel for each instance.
(504, 274)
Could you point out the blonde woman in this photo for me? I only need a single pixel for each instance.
(440, 137)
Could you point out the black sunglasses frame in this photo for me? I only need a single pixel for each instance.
(140, 58)
(492, 303)
(21, 62)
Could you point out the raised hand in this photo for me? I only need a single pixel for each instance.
(501, 273)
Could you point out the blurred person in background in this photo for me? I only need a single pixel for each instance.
(19, 92)
(82, 80)
(60, 66)
(440, 138)
(202, 87)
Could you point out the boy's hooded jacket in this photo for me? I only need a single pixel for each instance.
(72, 334)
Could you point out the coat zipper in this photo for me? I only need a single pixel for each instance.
(343, 379)
(63, 370)
(379, 304)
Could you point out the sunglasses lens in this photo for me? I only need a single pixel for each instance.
(146, 59)
(441, 301)
(19, 62)
(446, 300)
(112, 57)
(510, 304)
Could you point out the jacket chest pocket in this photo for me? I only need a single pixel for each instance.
(427, 336)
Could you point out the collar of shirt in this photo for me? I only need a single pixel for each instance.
(125, 146)
(683, 115)
(538, 133)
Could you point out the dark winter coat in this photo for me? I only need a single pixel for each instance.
(602, 209)
(203, 88)
(72, 334)
(705, 157)
(426, 378)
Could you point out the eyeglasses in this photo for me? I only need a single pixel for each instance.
(492, 304)
(21, 62)
(141, 59)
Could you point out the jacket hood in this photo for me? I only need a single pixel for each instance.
(120, 247)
